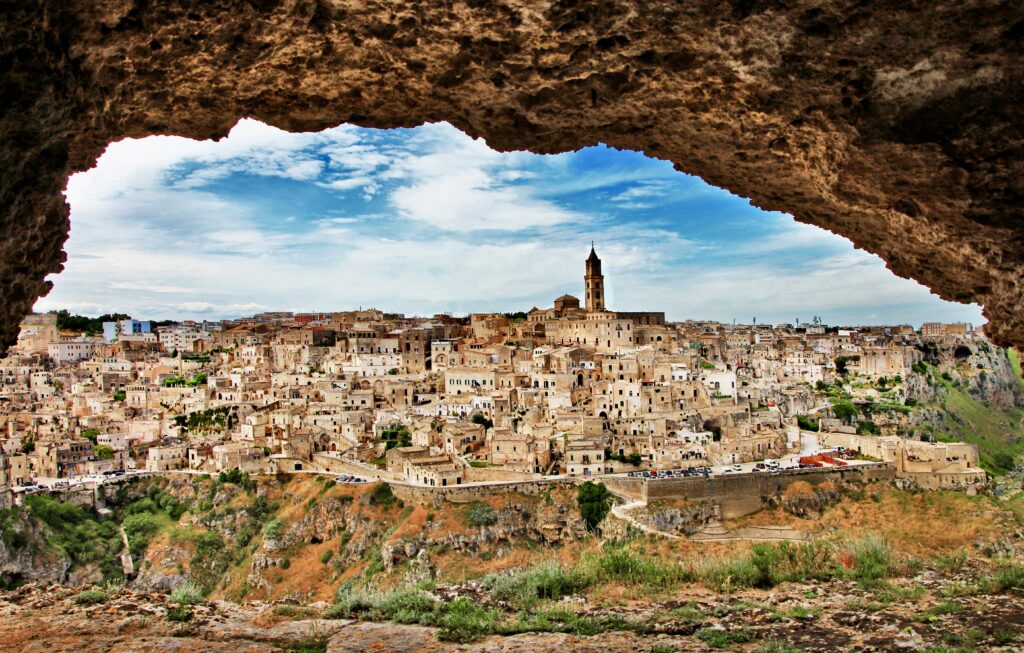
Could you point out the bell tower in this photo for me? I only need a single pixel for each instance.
(593, 282)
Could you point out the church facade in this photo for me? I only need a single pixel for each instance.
(594, 326)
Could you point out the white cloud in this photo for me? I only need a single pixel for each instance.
(457, 227)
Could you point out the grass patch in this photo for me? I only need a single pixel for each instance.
(91, 597)
(180, 614)
(1008, 577)
(998, 434)
(719, 638)
(187, 594)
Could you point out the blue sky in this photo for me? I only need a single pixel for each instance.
(429, 220)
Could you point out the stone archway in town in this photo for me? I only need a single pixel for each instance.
(895, 124)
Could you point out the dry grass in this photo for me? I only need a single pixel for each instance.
(917, 524)
(799, 490)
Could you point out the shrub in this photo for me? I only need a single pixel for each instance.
(871, 559)
(481, 514)
(326, 556)
(867, 427)
(807, 424)
(626, 566)
(179, 614)
(1004, 461)
(466, 621)
(1008, 577)
(139, 528)
(844, 410)
(187, 594)
(594, 501)
(381, 495)
(274, 529)
(719, 638)
(548, 580)
(953, 562)
(91, 597)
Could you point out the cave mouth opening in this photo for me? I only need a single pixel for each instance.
(429, 220)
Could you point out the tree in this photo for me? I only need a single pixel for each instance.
(843, 361)
(1004, 461)
(594, 501)
(480, 418)
(844, 410)
(103, 452)
(867, 427)
(634, 459)
(91, 434)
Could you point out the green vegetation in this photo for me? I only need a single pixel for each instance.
(103, 452)
(237, 477)
(480, 514)
(999, 435)
(396, 435)
(94, 325)
(91, 597)
(79, 534)
(844, 409)
(843, 362)
(705, 365)
(594, 501)
(381, 495)
(867, 427)
(91, 435)
(179, 614)
(211, 418)
(1015, 363)
(533, 594)
(464, 620)
(721, 638)
(274, 529)
(807, 424)
(187, 594)
(309, 644)
(120, 395)
(633, 458)
(480, 418)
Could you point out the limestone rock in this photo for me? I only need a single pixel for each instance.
(895, 125)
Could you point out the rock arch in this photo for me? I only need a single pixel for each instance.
(895, 124)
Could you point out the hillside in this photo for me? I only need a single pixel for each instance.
(292, 549)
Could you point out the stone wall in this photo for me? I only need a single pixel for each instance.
(740, 494)
(496, 475)
(423, 495)
(334, 465)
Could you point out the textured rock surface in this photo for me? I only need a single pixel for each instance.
(811, 617)
(896, 124)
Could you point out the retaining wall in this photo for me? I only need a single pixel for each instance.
(419, 494)
(740, 494)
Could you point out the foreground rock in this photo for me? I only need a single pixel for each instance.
(822, 617)
(891, 124)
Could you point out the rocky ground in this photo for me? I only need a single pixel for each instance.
(930, 611)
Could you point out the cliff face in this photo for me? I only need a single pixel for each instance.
(894, 124)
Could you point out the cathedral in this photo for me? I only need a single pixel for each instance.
(594, 326)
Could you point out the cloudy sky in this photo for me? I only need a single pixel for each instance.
(428, 220)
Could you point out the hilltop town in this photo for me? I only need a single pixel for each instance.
(573, 390)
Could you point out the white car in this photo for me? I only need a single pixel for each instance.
(736, 468)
